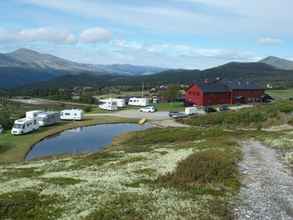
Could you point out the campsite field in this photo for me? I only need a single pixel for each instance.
(281, 94)
(159, 173)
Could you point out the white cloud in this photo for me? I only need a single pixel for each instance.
(42, 34)
(269, 41)
(95, 35)
(217, 17)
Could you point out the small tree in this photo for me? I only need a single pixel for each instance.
(171, 93)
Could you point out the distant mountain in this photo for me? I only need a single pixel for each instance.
(278, 63)
(132, 70)
(32, 59)
(24, 66)
(256, 72)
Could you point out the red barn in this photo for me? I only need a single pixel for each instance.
(223, 92)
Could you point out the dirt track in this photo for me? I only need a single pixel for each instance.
(267, 191)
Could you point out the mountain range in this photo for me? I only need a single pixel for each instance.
(28, 68)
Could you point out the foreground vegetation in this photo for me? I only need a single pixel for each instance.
(15, 148)
(170, 173)
(260, 116)
(137, 178)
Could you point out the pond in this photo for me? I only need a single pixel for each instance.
(81, 140)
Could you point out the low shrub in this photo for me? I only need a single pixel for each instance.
(170, 135)
(207, 167)
(246, 117)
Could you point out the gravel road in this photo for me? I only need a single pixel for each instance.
(267, 191)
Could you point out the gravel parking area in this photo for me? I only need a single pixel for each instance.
(267, 191)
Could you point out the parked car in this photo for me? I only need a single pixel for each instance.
(210, 110)
(223, 108)
(1, 129)
(172, 113)
(148, 109)
(177, 115)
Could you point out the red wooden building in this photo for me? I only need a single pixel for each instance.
(221, 92)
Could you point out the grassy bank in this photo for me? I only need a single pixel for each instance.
(281, 93)
(259, 116)
(14, 148)
(140, 177)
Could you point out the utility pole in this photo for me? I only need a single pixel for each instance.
(142, 91)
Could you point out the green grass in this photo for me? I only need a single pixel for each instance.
(62, 181)
(171, 106)
(16, 147)
(281, 94)
(257, 116)
(29, 205)
(169, 135)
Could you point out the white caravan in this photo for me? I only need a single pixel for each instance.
(72, 114)
(121, 103)
(24, 126)
(33, 114)
(48, 118)
(138, 101)
(109, 105)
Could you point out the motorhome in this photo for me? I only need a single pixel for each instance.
(33, 114)
(138, 101)
(48, 118)
(24, 126)
(72, 114)
(109, 105)
(121, 103)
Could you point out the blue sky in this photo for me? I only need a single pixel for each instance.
(167, 33)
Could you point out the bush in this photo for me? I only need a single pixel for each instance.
(245, 117)
(206, 167)
(5, 120)
(170, 135)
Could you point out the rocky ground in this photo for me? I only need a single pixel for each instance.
(267, 191)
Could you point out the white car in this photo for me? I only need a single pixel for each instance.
(148, 109)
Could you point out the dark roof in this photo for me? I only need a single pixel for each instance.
(227, 86)
(213, 87)
(241, 85)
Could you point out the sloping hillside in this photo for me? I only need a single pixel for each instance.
(279, 63)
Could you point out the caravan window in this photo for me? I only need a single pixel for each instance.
(67, 114)
(18, 126)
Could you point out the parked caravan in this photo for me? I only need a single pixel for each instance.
(121, 103)
(72, 114)
(48, 118)
(33, 114)
(138, 101)
(191, 110)
(109, 106)
(24, 126)
(1, 129)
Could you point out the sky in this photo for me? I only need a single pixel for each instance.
(193, 34)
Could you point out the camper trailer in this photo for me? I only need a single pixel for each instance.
(24, 126)
(48, 118)
(121, 103)
(138, 102)
(32, 114)
(72, 114)
(109, 105)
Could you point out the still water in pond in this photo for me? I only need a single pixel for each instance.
(81, 140)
